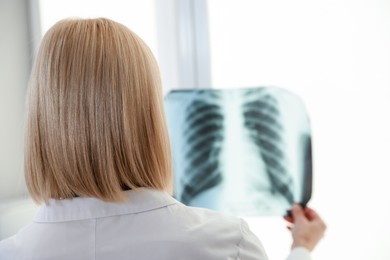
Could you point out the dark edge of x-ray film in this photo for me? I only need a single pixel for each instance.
(242, 151)
(308, 170)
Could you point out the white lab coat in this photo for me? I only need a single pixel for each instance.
(151, 225)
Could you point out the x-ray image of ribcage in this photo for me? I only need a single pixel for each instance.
(241, 151)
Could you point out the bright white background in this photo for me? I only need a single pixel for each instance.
(335, 54)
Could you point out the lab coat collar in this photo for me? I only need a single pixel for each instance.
(80, 208)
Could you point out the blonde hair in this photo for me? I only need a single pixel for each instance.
(95, 118)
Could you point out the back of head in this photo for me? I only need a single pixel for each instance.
(95, 118)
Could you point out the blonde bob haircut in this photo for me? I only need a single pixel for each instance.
(95, 117)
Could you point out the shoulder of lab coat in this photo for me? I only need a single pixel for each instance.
(151, 225)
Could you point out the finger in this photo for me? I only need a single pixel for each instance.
(289, 219)
(311, 214)
(297, 212)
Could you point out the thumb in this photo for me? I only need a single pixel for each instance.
(298, 213)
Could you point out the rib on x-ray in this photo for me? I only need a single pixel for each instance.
(245, 152)
(261, 117)
(203, 134)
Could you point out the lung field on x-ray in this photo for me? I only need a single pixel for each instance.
(262, 118)
(203, 138)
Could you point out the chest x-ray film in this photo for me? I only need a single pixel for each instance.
(244, 152)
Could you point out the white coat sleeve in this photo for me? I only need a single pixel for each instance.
(250, 247)
(299, 253)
